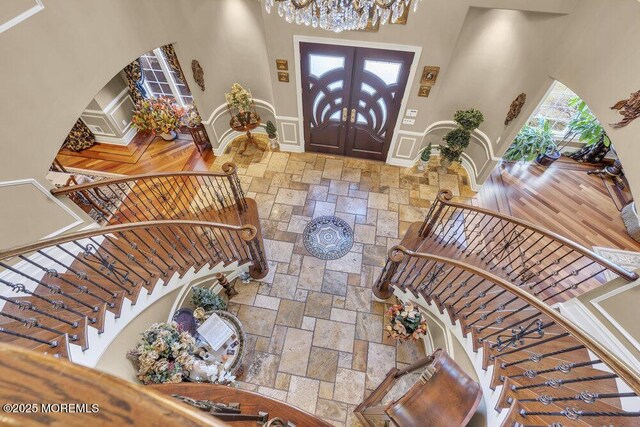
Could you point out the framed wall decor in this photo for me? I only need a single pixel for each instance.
(282, 64)
(283, 77)
(424, 91)
(429, 75)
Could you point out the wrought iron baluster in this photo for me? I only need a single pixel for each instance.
(538, 357)
(55, 304)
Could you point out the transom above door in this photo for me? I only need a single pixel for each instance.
(351, 98)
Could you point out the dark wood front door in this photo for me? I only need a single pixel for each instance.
(351, 98)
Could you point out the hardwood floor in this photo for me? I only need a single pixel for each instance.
(561, 198)
(144, 154)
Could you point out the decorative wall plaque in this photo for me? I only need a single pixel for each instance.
(198, 73)
(629, 108)
(282, 64)
(429, 75)
(516, 107)
(283, 77)
(424, 91)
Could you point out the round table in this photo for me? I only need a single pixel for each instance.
(236, 345)
(248, 127)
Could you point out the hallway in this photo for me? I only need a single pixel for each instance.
(562, 199)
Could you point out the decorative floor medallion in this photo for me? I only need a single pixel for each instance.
(328, 237)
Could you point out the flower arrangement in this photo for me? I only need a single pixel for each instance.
(163, 355)
(158, 116)
(239, 98)
(406, 322)
(207, 299)
(192, 117)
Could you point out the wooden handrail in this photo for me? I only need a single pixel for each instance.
(445, 196)
(228, 169)
(33, 379)
(397, 253)
(249, 232)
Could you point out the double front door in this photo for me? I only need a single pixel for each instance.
(351, 98)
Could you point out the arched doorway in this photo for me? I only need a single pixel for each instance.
(105, 138)
(562, 172)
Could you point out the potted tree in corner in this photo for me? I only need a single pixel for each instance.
(534, 143)
(272, 133)
(425, 155)
(458, 139)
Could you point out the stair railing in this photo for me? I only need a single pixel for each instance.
(41, 385)
(545, 263)
(158, 196)
(54, 288)
(549, 368)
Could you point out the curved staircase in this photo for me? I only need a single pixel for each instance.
(66, 295)
(492, 277)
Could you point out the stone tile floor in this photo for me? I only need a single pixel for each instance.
(315, 335)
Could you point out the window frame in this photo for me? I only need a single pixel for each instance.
(169, 76)
(558, 135)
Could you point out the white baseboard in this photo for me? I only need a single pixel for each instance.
(124, 141)
(407, 163)
(291, 148)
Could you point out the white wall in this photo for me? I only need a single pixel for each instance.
(110, 112)
(114, 360)
(56, 61)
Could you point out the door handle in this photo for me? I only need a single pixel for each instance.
(353, 115)
(345, 110)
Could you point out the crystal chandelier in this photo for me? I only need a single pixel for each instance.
(340, 15)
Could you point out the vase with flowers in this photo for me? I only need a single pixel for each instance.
(192, 117)
(160, 116)
(163, 355)
(406, 322)
(241, 108)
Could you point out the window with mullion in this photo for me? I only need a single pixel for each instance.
(555, 109)
(156, 82)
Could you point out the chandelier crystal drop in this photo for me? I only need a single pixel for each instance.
(340, 15)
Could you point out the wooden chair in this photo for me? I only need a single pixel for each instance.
(443, 396)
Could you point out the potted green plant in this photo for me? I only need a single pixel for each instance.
(207, 299)
(469, 119)
(272, 133)
(160, 116)
(425, 155)
(587, 128)
(457, 140)
(534, 143)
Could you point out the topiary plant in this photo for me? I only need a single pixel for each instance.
(457, 140)
(426, 153)
(271, 129)
(469, 119)
(207, 299)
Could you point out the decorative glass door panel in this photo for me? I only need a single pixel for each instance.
(326, 78)
(351, 98)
